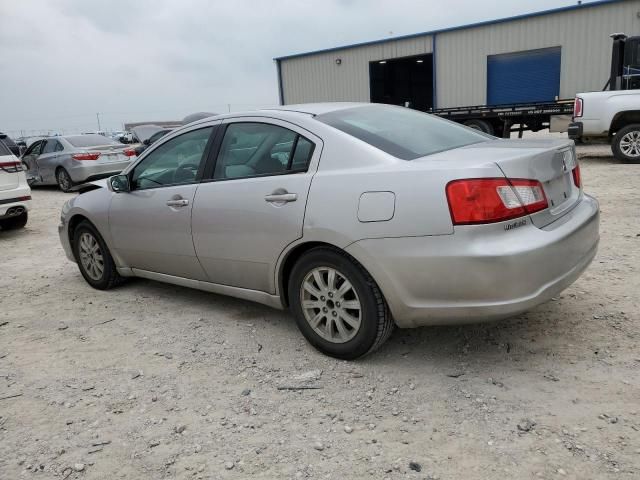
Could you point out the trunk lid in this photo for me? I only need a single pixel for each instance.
(109, 153)
(551, 162)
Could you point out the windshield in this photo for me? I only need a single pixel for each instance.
(90, 140)
(401, 132)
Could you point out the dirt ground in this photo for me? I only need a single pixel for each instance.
(153, 381)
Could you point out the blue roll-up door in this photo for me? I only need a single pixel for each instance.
(522, 77)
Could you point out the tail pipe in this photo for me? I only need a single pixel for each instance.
(13, 211)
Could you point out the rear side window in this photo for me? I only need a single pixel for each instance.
(401, 132)
(50, 146)
(257, 149)
(91, 140)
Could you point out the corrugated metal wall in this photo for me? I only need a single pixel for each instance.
(461, 55)
(317, 78)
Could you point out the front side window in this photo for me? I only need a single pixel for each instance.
(175, 162)
(258, 149)
(404, 133)
(35, 149)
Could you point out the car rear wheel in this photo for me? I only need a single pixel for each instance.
(337, 305)
(14, 223)
(64, 180)
(626, 144)
(94, 260)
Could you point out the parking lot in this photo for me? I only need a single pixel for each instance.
(157, 381)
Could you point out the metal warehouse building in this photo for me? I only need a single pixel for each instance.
(541, 56)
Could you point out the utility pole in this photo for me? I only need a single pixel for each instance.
(98, 117)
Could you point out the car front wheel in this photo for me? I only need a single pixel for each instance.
(337, 305)
(93, 257)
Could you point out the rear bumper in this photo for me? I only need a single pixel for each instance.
(575, 130)
(10, 201)
(480, 272)
(86, 171)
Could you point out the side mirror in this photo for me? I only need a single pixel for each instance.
(119, 183)
(147, 142)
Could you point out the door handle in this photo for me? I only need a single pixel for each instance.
(281, 197)
(178, 202)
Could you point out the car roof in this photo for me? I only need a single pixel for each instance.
(318, 108)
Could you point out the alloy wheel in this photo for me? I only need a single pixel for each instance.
(64, 180)
(630, 144)
(91, 256)
(330, 304)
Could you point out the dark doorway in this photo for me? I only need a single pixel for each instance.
(404, 81)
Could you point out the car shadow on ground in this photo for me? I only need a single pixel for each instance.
(444, 346)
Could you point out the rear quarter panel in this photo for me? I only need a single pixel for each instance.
(421, 206)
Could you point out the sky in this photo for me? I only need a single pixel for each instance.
(65, 64)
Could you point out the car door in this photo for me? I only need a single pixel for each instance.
(30, 159)
(47, 160)
(151, 225)
(253, 204)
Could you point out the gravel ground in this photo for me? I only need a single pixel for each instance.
(153, 381)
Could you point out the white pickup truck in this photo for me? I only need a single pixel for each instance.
(611, 116)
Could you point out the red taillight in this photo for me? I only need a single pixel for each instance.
(577, 179)
(11, 167)
(85, 156)
(577, 107)
(129, 152)
(489, 200)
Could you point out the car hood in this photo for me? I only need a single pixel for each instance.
(144, 132)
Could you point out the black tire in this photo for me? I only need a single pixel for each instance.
(617, 149)
(376, 322)
(110, 277)
(13, 223)
(64, 180)
(481, 125)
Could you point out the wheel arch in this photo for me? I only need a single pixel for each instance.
(622, 119)
(289, 260)
(74, 221)
(294, 254)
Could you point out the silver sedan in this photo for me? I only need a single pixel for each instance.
(74, 159)
(357, 217)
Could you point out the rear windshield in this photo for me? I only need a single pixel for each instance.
(401, 132)
(90, 140)
(4, 150)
